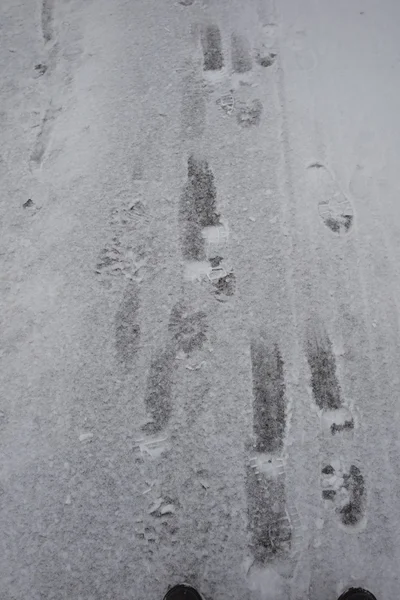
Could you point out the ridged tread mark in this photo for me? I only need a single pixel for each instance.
(269, 404)
(324, 382)
(212, 48)
(47, 19)
(240, 54)
(127, 328)
(193, 112)
(269, 522)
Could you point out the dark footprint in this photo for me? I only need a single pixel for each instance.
(212, 48)
(47, 19)
(240, 54)
(158, 398)
(334, 207)
(226, 285)
(269, 523)
(197, 208)
(249, 115)
(187, 329)
(269, 404)
(324, 382)
(347, 492)
(202, 186)
(266, 60)
(127, 329)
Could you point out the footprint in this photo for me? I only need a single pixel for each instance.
(269, 523)
(47, 19)
(127, 328)
(269, 419)
(158, 396)
(212, 48)
(305, 57)
(240, 54)
(187, 329)
(197, 209)
(347, 492)
(325, 386)
(334, 207)
(193, 113)
(266, 59)
(249, 114)
(226, 103)
(43, 138)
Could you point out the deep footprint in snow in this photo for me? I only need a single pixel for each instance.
(334, 207)
(347, 492)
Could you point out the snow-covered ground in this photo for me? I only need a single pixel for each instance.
(200, 240)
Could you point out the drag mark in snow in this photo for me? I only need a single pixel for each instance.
(240, 54)
(268, 396)
(212, 48)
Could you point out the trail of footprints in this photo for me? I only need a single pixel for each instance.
(274, 527)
